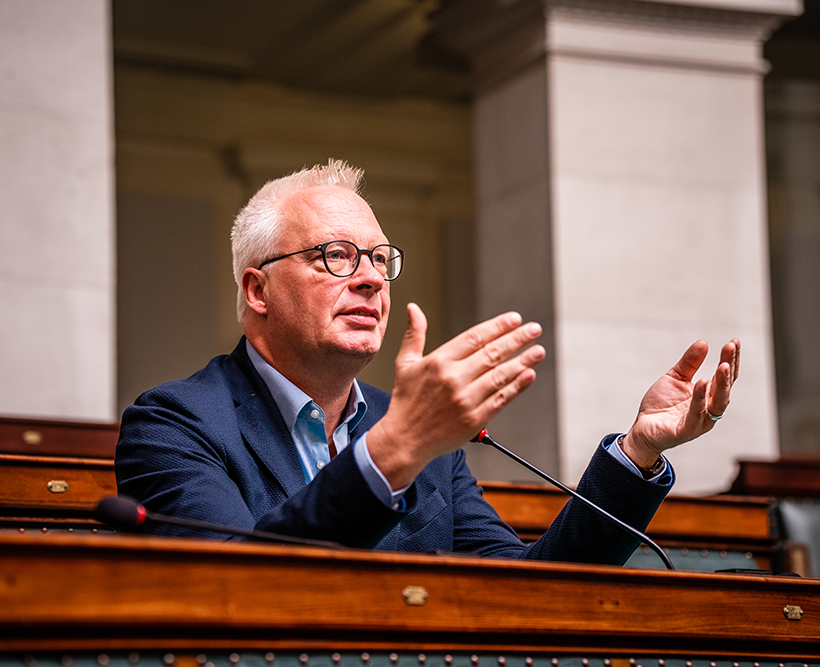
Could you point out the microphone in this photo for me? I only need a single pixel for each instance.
(484, 438)
(125, 513)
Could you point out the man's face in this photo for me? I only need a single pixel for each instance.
(314, 316)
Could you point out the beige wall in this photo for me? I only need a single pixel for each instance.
(191, 151)
(660, 229)
(57, 260)
(624, 141)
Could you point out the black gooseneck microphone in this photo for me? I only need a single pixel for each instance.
(126, 513)
(484, 438)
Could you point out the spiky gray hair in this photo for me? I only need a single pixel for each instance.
(256, 232)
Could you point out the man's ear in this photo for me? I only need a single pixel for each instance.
(253, 285)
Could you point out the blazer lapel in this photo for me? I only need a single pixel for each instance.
(261, 423)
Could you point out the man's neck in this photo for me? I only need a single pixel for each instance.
(328, 383)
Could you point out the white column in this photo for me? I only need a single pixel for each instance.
(57, 253)
(621, 197)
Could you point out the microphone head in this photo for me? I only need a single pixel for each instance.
(120, 512)
(482, 437)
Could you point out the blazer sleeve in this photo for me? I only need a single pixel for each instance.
(581, 535)
(578, 534)
(338, 506)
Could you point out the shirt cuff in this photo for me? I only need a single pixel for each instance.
(375, 479)
(663, 478)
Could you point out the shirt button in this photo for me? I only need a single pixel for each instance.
(320, 465)
(314, 414)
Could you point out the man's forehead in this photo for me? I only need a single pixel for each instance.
(329, 210)
(319, 197)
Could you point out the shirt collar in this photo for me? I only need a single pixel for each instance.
(291, 400)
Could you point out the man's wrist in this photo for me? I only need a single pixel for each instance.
(648, 472)
(375, 479)
(390, 458)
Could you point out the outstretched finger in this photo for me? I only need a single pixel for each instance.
(730, 354)
(720, 390)
(497, 379)
(690, 362)
(478, 336)
(503, 348)
(697, 418)
(498, 399)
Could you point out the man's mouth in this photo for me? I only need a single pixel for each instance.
(365, 313)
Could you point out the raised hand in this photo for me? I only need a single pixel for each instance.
(675, 410)
(442, 399)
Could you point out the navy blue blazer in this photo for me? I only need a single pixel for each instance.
(214, 447)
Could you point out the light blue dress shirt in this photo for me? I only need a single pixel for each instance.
(306, 422)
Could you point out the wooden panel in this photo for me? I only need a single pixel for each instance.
(53, 484)
(719, 519)
(786, 477)
(723, 523)
(113, 592)
(39, 437)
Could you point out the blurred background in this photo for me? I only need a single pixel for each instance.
(634, 174)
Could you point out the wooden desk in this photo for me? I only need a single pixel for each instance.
(54, 472)
(52, 490)
(730, 523)
(796, 477)
(45, 492)
(48, 437)
(113, 593)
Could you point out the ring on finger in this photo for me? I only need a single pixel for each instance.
(714, 418)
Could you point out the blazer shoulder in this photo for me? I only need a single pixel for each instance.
(226, 379)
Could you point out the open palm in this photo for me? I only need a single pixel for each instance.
(676, 410)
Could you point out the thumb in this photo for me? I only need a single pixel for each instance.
(412, 347)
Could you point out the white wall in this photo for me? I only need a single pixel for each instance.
(57, 335)
(621, 200)
(660, 228)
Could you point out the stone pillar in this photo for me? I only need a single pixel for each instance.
(621, 202)
(57, 257)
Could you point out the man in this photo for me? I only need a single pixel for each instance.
(279, 436)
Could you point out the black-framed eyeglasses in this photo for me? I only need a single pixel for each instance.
(342, 258)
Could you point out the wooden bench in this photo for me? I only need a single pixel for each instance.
(788, 477)
(41, 437)
(690, 528)
(53, 473)
(56, 482)
(794, 483)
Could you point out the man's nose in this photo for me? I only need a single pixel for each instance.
(367, 275)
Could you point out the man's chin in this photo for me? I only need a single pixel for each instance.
(364, 347)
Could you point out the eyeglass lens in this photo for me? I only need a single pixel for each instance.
(342, 258)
